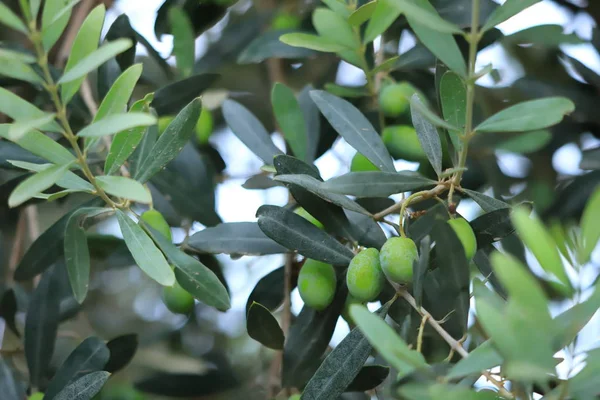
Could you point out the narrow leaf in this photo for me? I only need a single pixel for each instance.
(486, 202)
(312, 42)
(590, 228)
(422, 12)
(482, 358)
(383, 17)
(172, 98)
(334, 27)
(15, 68)
(290, 119)
(10, 387)
(362, 13)
(115, 101)
(84, 388)
(263, 327)
(124, 187)
(377, 183)
(116, 123)
(429, 115)
(21, 110)
(10, 19)
(55, 17)
(18, 129)
(427, 134)
(453, 97)
(36, 184)
(183, 40)
(507, 10)
(313, 122)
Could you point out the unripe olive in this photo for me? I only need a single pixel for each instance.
(396, 257)
(402, 142)
(285, 20)
(394, 99)
(364, 277)
(177, 299)
(346, 310)
(306, 215)
(361, 163)
(156, 221)
(466, 235)
(295, 397)
(37, 396)
(163, 122)
(316, 284)
(204, 126)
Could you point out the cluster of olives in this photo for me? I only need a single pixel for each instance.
(176, 298)
(204, 126)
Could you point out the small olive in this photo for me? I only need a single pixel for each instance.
(364, 277)
(397, 257)
(316, 284)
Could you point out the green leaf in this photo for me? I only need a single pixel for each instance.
(528, 115)
(84, 388)
(352, 125)
(15, 68)
(584, 385)
(170, 99)
(312, 42)
(18, 129)
(192, 275)
(85, 43)
(10, 19)
(290, 119)
(347, 91)
(26, 58)
(90, 356)
(368, 378)
(486, 202)
(572, 321)
(267, 291)
(171, 142)
(339, 7)
(184, 46)
(427, 134)
(34, 7)
(12, 390)
(147, 256)
(68, 181)
(536, 236)
(125, 188)
(527, 142)
(95, 59)
(342, 365)
(125, 142)
(482, 358)
(235, 238)
(420, 269)
(122, 350)
(296, 233)
(549, 36)
(383, 17)
(41, 326)
(507, 10)
(77, 255)
(377, 183)
(386, 341)
(423, 13)
(250, 131)
(315, 186)
(55, 17)
(418, 105)
(263, 327)
(19, 109)
(453, 97)
(363, 13)
(313, 122)
(590, 228)
(36, 184)
(441, 44)
(115, 101)
(333, 27)
(116, 123)
(267, 45)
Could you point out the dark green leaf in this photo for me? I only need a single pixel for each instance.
(296, 233)
(90, 356)
(590, 229)
(453, 98)
(268, 291)
(189, 385)
(507, 10)
(420, 269)
(290, 119)
(122, 350)
(427, 134)
(8, 310)
(423, 13)
(570, 323)
(250, 131)
(268, 45)
(377, 184)
(235, 238)
(352, 125)
(142, 151)
(362, 14)
(263, 327)
(483, 263)
(417, 104)
(184, 46)
(368, 378)
(121, 28)
(172, 98)
(486, 202)
(41, 326)
(492, 227)
(528, 142)
(366, 231)
(11, 389)
(484, 357)
(84, 388)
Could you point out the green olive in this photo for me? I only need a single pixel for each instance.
(295, 397)
(204, 127)
(163, 122)
(364, 277)
(285, 21)
(397, 257)
(37, 396)
(402, 142)
(346, 310)
(394, 99)
(177, 299)
(316, 284)
(466, 235)
(361, 163)
(306, 215)
(156, 221)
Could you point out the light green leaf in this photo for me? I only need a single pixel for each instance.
(427, 134)
(482, 358)
(36, 184)
(423, 13)
(549, 36)
(418, 105)
(585, 385)
(383, 17)
(340, 7)
(124, 187)
(290, 119)
(527, 142)
(40, 145)
(15, 68)
(184, 46)
(362, 14)
(10, 19)
(68, 181)
(386, 341)
(95, 59)
(453, 97)
(334, 27)
(145, 253)
(528, 116)
(312, 42)
(17, 55)
(507, 10)
(120, 92)
(572, 321)
(55, 17)
(34, 7)
(19, 128)
(116, 123)
(590, 226)
(56, 195)
(18, 109)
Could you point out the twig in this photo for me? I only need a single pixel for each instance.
(420, 335)
(17, 248)
(33, 225)
(426, 194)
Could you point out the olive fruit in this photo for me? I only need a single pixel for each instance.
(394, 99)
(397, 257)
(346, 310)
(466, 235)
(163, 122)
(307, 216)
(402, 142)
(177, 299)
(157, 222)
(36, 396)
(316, 284)
(361, 163)
(295, 397)
(204, 126)
(364, 277)
(285, 20)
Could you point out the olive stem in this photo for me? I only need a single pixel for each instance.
(420, 335)
(425, 194)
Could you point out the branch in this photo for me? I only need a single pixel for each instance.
(426, 194)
